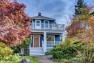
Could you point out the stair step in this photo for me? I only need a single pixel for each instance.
(36, 51)
(35, 48)
(34, 54)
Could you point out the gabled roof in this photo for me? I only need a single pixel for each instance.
(41, 17)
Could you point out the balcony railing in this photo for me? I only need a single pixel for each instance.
(49, 26)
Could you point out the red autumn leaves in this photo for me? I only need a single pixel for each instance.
(14, 23)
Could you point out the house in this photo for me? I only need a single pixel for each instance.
(45, 34)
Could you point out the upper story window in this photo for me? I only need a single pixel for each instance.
(42, 24)
(46, 24)
(37, 23)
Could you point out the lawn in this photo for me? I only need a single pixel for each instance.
(33, 59)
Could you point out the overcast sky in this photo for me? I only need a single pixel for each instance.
(61, 10)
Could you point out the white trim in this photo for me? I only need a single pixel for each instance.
(40, 24)
(45, 42)
(62, 37)
(48, 25)
(44, 24)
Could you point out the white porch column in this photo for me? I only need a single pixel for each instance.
(63, 37)
(45, 42)
(30, 45)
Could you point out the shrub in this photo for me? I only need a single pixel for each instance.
(4, 50)
(11, 59)
(56, 52)
(67, 49)
(88, 53)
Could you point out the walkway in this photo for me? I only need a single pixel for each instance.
(44, 59)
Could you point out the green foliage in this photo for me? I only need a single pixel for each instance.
(56, 52)
(4, 50)
(11, 59)
(16, 49)
(16, 58)
(74, 51)
(88, 53)
(25, 43)
(6, 54)
(67, 50)
(80, 4)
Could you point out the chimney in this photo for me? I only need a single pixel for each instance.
(39, 14)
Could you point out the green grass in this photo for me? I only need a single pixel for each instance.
(33, 59)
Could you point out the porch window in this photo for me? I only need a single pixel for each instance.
(50, 37)
(50, 40)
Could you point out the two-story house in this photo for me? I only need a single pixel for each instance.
(45, 33)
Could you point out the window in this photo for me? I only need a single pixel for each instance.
(46, 24)
(50, 37)
(38, 23)
(42, 24)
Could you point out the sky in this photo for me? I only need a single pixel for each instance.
(61, 10)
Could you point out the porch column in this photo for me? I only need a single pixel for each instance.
(45, 42)
(63, 37)
(30, 44)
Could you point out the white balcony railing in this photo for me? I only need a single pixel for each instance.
(49, 26)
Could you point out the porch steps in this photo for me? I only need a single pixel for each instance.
(36, 51)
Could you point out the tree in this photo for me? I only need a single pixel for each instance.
(80, 4)
(83, 26)
(14, 23)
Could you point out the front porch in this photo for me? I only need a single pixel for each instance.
(42, 42)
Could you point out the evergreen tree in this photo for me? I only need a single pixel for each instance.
(80, 4)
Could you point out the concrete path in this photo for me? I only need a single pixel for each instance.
(45, 59)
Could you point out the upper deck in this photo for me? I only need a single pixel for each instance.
(45, 23)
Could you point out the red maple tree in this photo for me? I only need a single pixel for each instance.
(14, 23)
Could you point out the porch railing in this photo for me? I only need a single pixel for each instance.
(52, 43)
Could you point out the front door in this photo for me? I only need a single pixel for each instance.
(36, 40)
